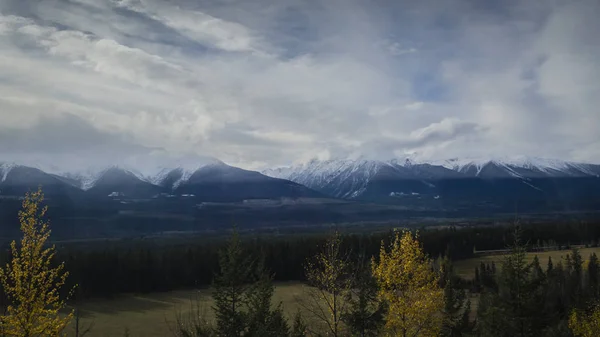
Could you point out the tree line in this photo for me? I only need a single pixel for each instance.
(113, 268)
(397, 291)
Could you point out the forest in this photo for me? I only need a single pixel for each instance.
(400, 282)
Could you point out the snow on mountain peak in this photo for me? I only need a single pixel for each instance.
(5, 169)
(544, 165)
(152, 168)
(327, 168)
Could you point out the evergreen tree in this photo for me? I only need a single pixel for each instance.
(299, 328)
(31, 284)
(537, 273)
(262, 319)
(230, 286)
(514, 310)
(575, 278)
(550, 267)
(593, 274)
(456, 302)
(477, 287)
(364, 316)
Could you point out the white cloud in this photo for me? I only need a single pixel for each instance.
(272, 83)
(196, 25)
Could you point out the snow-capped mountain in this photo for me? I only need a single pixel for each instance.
(361, 177)
(154, 168)
(149, 176)
(521, 166)
(5, 169)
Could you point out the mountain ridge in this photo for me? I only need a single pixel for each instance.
(360, 178)
(212, 180)
(352, 178)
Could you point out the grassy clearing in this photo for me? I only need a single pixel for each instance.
(151, 315)
(466, 268)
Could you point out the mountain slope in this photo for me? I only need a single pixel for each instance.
(209, 180)
(17, 180)
(224, 182)
(124, 182)
(490, 179)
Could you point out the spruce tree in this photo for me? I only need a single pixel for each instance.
(456, 303)
(262, 319)
(593, 275)
(364, 316)
(299, 328)
(513, 310)
(230, 286)
(575, 279)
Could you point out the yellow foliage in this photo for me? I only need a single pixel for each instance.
(409, 286)
(585, 325)
(30, 282)
(328, 275)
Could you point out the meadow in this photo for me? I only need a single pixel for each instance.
(154, 314)
(466, 268)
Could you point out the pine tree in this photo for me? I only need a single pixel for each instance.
(30, 282)
(299, 328)
(456, 303)
(537, 274)
(514, 309)
(477, 287)
(409, 286)
(230, 286)
(593, 274)
(365, 312)
(262, 319)
(575, 279)
(550, 267)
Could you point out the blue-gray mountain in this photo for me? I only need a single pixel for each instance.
(505, 179)
(214, 181)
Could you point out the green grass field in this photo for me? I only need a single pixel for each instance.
(466, 268)
(151, 315)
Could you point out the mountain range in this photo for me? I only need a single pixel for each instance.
(396, 180)
(373, 179)
(212, 180)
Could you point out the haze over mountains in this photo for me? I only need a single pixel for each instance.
(397, 180)
(375, 179)
(208, 179)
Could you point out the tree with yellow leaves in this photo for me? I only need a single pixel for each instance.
(585, 325)
(31, 284)
(330, 281)
(409, 285)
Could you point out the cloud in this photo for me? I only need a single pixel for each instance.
(261, 83)
(50, 140)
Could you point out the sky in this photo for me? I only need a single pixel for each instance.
(268, 83)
